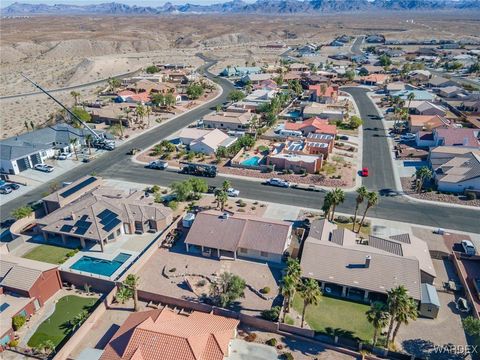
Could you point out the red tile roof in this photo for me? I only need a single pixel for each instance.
(321, 125)
(166, 335)
(322, 90)
(140, 97)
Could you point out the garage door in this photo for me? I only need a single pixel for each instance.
(23, 164)
(35, 159)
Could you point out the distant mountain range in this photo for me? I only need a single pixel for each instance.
(240, 7)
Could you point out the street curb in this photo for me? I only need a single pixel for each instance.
(439, 203)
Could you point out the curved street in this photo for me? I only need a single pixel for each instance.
(376, 155)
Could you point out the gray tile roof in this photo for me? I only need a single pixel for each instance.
(405, 238)
(385, 245)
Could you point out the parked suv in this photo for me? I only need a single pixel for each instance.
(44, 167)
(468, 247)
(4, 189)
(278, 182)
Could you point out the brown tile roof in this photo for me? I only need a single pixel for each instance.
(166, 335)
(213, 229)
(19, 273)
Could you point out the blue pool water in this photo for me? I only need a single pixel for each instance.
(294, 114)
(251, 161)
(100, 266)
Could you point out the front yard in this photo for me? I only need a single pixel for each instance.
(60, 324)
(335, 316)
(50, 254)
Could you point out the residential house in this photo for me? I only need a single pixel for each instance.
(371, 69)
(323, 94)
(418, 123)
(218, 234)
(419, 95)
(455, 169)
(210, 142)
(110, 114)
(87, 211)
(394, 87)
(266, 85)
(169, 335)
(253, 101)
(228, 120)
(375, 39)
(25, 286)
(311, 125)
(316, 142)
(323, 111)
(420, 76)
(24, 151)
(417, 107)
(256, 79)
(298, 67)
(365, 271)
(450, 137)
(337, 43)
(128, 96)
(240, 71)
(316, 79)
(438, 82)
(187, 135)
(292, 76)
(306, 50)
(426, 51)
(450, 91)
(375, 79)
(300, 155)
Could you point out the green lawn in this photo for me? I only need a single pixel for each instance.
(344, 318)
(55, 328)
(48, 253)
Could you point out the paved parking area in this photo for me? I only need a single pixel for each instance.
(257, 275)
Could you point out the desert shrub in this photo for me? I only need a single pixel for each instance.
(253, 207)
(172, 270)
(250, 337)
(342, 219)
(241, 210)
(271, 314)
(201, 283)
(265, 290)
(173, 205)
(287, 356)
(13, 343)
(18, 321)
(271, 342)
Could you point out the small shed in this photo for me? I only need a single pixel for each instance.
(430, 304)
(188, 220)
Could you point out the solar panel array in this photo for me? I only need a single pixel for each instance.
(78, 187)
(108, 219)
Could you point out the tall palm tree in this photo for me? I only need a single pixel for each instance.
(397, 298)
(76, 96)
(288, 288)
(88, 141)
(140, 112)
(73, 144)
(131, 282)
(327, 204)
(422, 174)
(407, 312)
(378, 316)
(222, 198)
(148, 112)
(127, 112)
(372, 200)
(338, 197)
(311, 293)
(226, 185)
(410, 97)
(362, 193)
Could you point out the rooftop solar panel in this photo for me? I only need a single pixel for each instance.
(81, 230)
(112, 224)
(66, 228)
(78, 187)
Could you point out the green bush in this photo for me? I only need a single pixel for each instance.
(271, 342)
(22, 212)
(342, 219)
(265, 290)
(13, 343)
(287, 356)
(201, 283)
(173, 205)
(18, 321)
(271, 314)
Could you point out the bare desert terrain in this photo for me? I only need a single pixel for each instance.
(66, 51)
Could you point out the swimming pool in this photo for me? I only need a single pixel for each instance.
(251, 161)
(100, 266)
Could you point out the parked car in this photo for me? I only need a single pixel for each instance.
(233, 192)
(364, 172)
(4, 189)
(158, 165)
(468, 247)
(44, 167)
(278, 182)
(343, 137)
(64, 156)
(13, 186)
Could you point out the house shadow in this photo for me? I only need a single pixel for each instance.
(305, 347)
(104, 340)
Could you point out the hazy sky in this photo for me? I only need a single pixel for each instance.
(152, 3)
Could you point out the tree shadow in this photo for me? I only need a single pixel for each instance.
(305, 347)
(341, 333)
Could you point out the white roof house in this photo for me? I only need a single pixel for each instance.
(210, 142)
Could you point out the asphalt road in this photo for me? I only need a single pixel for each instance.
(376, 152)
(116, 164)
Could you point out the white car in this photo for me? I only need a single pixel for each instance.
(278, 182)
(468, 247)
(159, 165)
(233, 192)
(64, 156)
(43, 167)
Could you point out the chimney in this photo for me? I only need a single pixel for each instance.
(368, 258)
(73, 216)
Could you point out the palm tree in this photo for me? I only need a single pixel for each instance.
(127, 112)
(123, 294)
(422, 174)
(113, 83)
(26, 125)
(76, 96)
(338, 197)
(78, 320)
(311, 293)
(397, 298)
(327, 204)
(140, 112)
(377, 315)
(88, 141)
(131, 282)
(407, 312)
(73, 144)
(226, 185)
(222, 198)
(372, 200)
(148, 112)
(32, 125)
(288, 288)
(410, 97)
(362, 193)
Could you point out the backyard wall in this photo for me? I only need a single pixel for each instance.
(463, 279)
(99, 285)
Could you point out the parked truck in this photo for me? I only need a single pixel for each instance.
(198, 169)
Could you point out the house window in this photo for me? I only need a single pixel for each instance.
(263, 254)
